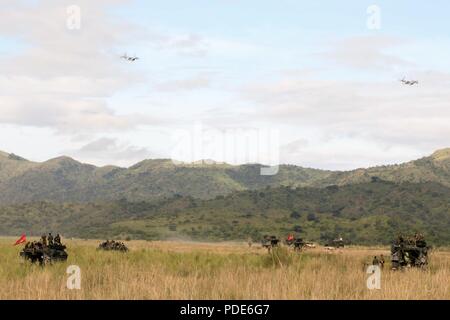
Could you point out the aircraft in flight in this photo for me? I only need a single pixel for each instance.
(128, 58)
(409, 82)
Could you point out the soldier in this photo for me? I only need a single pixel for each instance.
(406, 259)
(375, 261)
(249, 241)
(58, 239)
(44, 240)
(50, 239)
(33, 245)
(382, 262)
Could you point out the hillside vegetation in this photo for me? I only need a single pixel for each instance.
(66, 180)
(366, 213)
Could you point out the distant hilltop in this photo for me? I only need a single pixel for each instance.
(64, 179)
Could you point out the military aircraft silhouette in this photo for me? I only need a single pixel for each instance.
(409, 82)
(132, 59)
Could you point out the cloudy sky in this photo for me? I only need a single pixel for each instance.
(323, 74)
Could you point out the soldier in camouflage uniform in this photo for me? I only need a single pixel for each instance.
(44, 240)
(50, 239)
(382, 262)
(57, 239)
(375, 261)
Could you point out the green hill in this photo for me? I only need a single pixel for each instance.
(433, 168)
(66, 180)
(366, 213)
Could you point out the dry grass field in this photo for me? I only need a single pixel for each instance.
(182, 270)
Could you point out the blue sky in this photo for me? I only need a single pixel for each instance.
(311, 70)
(231, 17)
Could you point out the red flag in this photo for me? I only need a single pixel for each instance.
(22, 239)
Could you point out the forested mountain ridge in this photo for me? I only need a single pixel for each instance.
(66, 180)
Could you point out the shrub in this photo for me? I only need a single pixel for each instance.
(295, 215)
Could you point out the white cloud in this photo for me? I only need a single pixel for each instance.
(66, 116)
(185, 44)
(72, 86)
(351, 116)
(63, 79)
(368, 52)
(105, 151)
(197, 82)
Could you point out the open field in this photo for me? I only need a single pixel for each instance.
(183, 270)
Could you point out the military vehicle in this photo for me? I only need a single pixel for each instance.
(113, 245)
(36, 251)
(298, 243)
(410, 251)
(336, 243)
(270, 242)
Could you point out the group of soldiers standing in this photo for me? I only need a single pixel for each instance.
(406, 251)
(49, 240)
(113, 245)
(409, 251)
(416, 239)
(46, 241)
(46, 250)
(378, 261)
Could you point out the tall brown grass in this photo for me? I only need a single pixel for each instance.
(180, 270)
